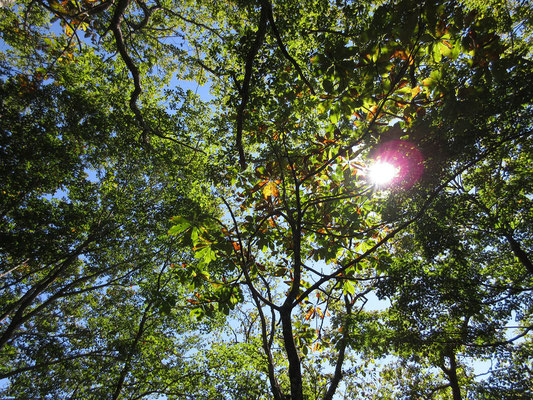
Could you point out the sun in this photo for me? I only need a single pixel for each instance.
(381, 173)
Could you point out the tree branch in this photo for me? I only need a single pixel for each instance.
(52, 362)
(337, 376)
(282, 47)
(117, 19)
(245, 88)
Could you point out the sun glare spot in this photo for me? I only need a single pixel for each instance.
(382, 173)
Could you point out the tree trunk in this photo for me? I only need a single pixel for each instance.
(337, 376)
(452, 375)
(295, 370)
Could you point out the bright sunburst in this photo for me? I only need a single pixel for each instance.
(382, 173)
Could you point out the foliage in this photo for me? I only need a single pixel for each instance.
(137, 219)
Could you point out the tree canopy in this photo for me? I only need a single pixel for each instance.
(159, 242)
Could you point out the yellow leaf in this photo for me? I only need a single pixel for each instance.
(415, 91)
(68, 30)
(83, 26)
(372, 112)
(270, 189)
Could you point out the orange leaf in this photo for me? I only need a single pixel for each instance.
(402, 84)
(400, 54)
(447, 44)
(270, 189)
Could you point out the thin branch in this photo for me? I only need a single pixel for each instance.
(160, 135)
(22, 264)
(147, 14)
(276, 388)
(193, 22)
(337, 376)
(132, 350)
(527, 329)
(52, 362)
(268, 7)
(386, 97)
(244, 260)
(402, 226)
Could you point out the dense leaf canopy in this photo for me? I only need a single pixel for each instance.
(189, 208)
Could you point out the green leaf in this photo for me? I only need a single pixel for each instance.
(348, 287)
(206, 254)
(180, 226)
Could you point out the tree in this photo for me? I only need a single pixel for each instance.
(274, 198)
(300, 202)
(86, 299)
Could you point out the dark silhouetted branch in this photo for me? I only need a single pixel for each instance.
(118, 16)
(268, 6)
(245, 89)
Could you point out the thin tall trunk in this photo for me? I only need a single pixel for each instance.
(267, 344)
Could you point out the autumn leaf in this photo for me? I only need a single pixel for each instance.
(317, 347)
(372, 112)
(401, 54)
(403, 84)
(415, 91)
(310, 314)
(270, 189)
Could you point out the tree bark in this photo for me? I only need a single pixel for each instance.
(337, 376)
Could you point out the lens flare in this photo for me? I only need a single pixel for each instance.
(382, 173)
(397, 163)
